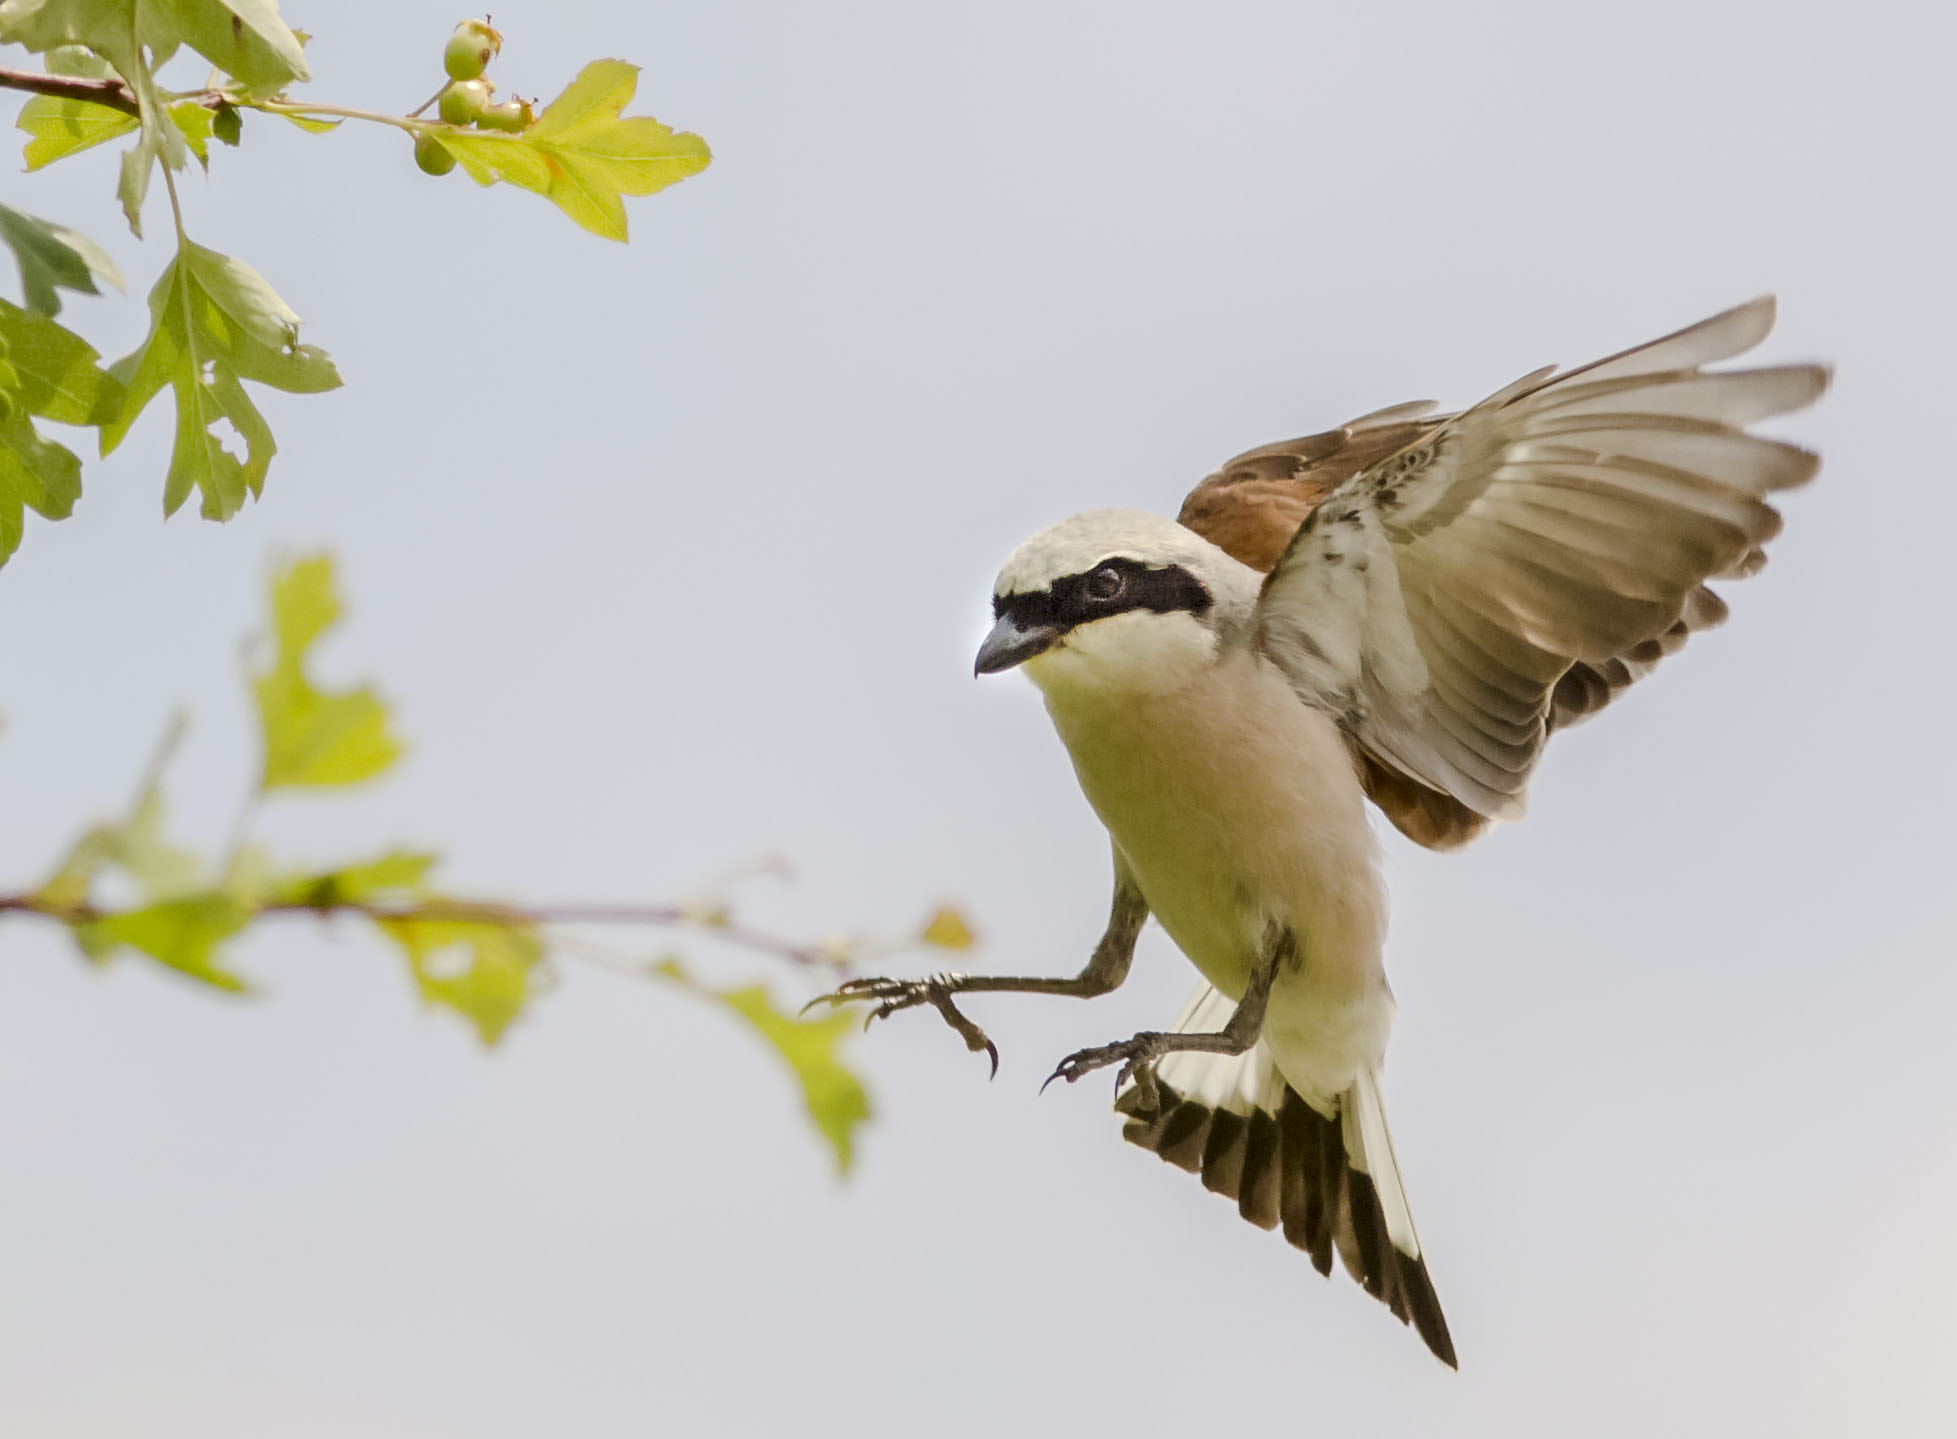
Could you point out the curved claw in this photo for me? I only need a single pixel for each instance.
(892, 995)
(1135, 1056)
(844, 993)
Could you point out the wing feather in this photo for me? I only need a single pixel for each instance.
(1512, 568)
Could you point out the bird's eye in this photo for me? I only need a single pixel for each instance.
(1105, 583)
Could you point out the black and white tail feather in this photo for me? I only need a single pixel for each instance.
(1329, 1179)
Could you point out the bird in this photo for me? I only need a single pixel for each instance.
(1392, 616)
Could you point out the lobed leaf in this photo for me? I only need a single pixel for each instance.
(49, 256)
(113, 29)
(481, 969)
(313, 737)
(837, 1102)
(183, 933)
(56, 375)
(214, 322)
(245, 39)
(132, 36)
(195, 123)
(580, 154)
(47, 370)
(35, 474)
(57, 127)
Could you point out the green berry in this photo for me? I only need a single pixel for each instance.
(432, 155)
(465, 101)
(470, 49)
(514, 116)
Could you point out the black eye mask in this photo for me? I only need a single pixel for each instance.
(1110, 588)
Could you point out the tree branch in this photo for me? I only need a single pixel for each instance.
(709, 921)
(108, 92)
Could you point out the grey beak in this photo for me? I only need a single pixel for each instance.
(1009, 645)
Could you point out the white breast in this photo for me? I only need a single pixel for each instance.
(1237, 807)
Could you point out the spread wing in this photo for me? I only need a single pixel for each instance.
(1516, 565)
(1252, 506)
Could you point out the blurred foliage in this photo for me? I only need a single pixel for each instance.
(836, 1099)
(313, 737)
(124, 887)
(215, 322)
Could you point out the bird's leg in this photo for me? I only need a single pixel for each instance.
(1105, 970)
(1137, 1055)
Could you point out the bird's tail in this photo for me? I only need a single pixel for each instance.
(1327, 1174)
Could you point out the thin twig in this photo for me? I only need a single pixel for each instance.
(339, 112)
(466, 911)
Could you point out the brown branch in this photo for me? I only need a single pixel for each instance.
(712, 923)
(108, 92)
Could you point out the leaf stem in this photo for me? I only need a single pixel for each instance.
(183, 240)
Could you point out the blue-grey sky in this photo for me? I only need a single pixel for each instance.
(675, 554)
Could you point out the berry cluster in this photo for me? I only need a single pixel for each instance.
(468, 98)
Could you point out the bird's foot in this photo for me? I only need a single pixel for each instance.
(1136, 1056)
(891, 995)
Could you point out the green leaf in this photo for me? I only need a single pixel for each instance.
(183, 933)
(245, 39)
(196, 124)
(180, 924)
(226, 124)
(480, 969)
(487, 156)
(214, 322)
(35, 474)
(947, 929)
(837, 1102)
(73, 879)
(308, 123)
(49, 255)
(399, 874)
(104, 26)
(56, 373)
(132, 36)
(581, 155)
(80, 61)
(313, 737)
(56, 127)
(162, 869)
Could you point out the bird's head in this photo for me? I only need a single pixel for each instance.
(1113, 600)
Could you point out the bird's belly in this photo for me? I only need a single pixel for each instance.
(1237, 809)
